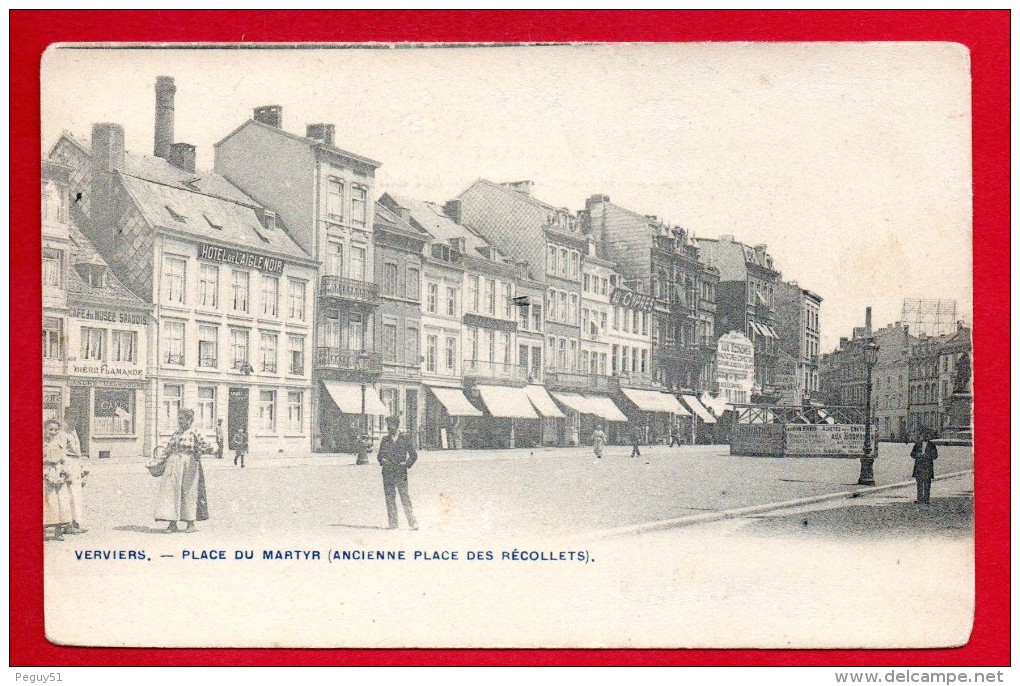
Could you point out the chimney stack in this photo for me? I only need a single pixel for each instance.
(107, 159)
(867, 321)
(453, 210)
(321, 132)
(521, 186)
(182, 156)
(271, 115)
(163, 136)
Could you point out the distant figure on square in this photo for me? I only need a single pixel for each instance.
(239, 444)
(76, 471)
(221, 439)
(924, 454)
(56, 492)
(635, 441)
(396, 455)
(674, 434)
(598, 441)
(181, 496)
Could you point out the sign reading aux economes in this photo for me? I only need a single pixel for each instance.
(240, 258)
(625, 298)
(734, 361)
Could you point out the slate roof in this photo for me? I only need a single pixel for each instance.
(431, 218)
(112, 292)
(310, 142)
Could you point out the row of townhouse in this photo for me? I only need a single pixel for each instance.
(289, 298)
(918, 382)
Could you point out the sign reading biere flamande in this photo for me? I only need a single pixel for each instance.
(240, 258)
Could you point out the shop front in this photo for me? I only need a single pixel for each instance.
(105, 413)
(654, 413)
(508, 411)
(347, 408)
(703, 421)
(585, 413)
(552, 421)
(447, 413)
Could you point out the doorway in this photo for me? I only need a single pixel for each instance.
(78, 415)
(237, 419)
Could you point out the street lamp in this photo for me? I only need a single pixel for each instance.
(363, 438)
(867, 477)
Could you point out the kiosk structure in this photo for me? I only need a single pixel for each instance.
(798, 431)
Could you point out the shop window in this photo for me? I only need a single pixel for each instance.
(170, 405)
(52, 337)
(114, 412)
(295, 410)
(267, 410)
(205, 416)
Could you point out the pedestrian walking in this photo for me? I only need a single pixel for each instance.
(56, 495)
(924, 454)
(598, 441)
(221, 439)
(181, 496)
(396, 455)
(74, 466)
(239, 445)
(635, 440)
(674, 435)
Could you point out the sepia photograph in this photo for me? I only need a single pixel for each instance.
(629, 345)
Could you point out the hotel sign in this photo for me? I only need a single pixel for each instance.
(240, 258)
(638, 301)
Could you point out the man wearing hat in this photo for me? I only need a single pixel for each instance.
(396, 454)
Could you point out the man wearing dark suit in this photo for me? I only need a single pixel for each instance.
(924, 454)
(396, 454)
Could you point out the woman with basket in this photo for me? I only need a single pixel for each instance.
(181, 496)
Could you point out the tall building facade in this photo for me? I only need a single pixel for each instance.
(798, 324)
(890, 381)
(326, 197)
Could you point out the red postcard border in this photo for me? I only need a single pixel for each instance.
(984, 33)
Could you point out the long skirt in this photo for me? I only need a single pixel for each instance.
(181, 496)
(75, 491)
(56, 504)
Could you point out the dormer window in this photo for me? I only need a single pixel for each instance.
(93, 274)
(213, 221)
(176, 216)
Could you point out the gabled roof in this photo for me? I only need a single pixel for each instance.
(314, 143)
(387, 219)
(207, 216)
(112, 292)
(431, 218)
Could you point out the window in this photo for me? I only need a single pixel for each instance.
(575, 264)
(239, 284)
(390, 278)
(587, 282)
(335, 200)
(355, 331)
(390, 342)
(295, 410)
(644, 326)
(602, 364)
(297, 354)
(564, 313)
(451, 354)
(564, 261)
(472, 303)
(431, 351)
(358, 262)
(267, 410)
(93, 344)
(413, 356)
(536, 362)
(114, 411)
(536, 317)
(205, 416)
(53, 202)
(603, 327)
(508, 301)
(573, 308)
(572, 360)
(451, 301)
(239, 348)
(552, 305)
(268, 348)
(359, 205)
(432, 297)
(616, 318)
(52, 337)
(173, 347)
(270, 296)
(174, 270)
(625, 360)
(584, 362)
(334, 258)
(506, 348)
(522, 316)
(413, 283)
(296, 291)
(208, 285)
(616, 355)
(53, 402)
(473, 342)
(53, 267)
(207, 345)
(551, 261)
(490, 296)
(562, 354)
(123, 346)
(490, 344)
(635, 364)
(171, 405)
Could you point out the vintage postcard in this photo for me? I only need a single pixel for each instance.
(561, 346)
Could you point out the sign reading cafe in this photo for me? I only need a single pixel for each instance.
(240, 258)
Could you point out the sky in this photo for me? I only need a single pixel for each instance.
(850, 161)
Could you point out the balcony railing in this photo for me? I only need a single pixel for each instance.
(494, 370)
(269, 367)
(578, 380)
(351, 290)
(174, 358)
(636, 380)
(348, 360)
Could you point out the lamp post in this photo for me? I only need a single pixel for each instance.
(363, 440)
(867, 477)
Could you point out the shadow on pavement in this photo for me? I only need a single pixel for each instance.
(137, 529)
(945, 517)
(341, 525)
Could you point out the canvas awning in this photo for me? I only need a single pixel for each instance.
(539, 397)
(699, 409)
(654, 401)
(455, 402)
(507, 401)
(575, 402)
(347, 397)
(604, 407)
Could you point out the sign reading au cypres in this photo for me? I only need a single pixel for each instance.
(625, 298)
(240, 258)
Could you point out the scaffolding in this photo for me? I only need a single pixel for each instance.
(929, 317)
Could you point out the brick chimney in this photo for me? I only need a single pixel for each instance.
(271, 115)
(163, 135)
(321, 132)
(107, 159)
(521, 186)
(867, 321)
(182, 156)
(453, 209)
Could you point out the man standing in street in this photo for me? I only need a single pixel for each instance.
(396, 454)
(674, 434)
(924, 454)
(221, 439)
